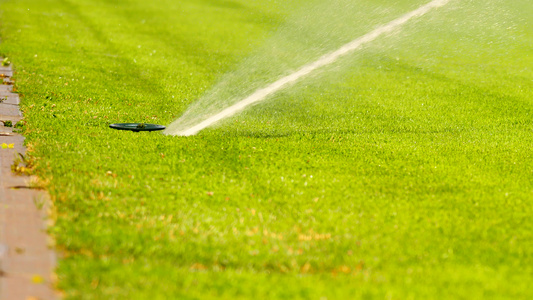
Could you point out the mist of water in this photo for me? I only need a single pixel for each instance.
(298, 50)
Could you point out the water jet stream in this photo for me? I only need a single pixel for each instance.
(327, 59)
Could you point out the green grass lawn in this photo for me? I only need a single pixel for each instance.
(407, 173)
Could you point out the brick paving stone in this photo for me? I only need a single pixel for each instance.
(6, 88)
(9, 99)
(9, 110)
(27, 261)
(6, 72)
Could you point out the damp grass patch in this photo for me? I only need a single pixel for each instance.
(402, 172)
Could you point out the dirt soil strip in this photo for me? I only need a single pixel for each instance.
(27, 261)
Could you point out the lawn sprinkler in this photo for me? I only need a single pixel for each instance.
(136, 127)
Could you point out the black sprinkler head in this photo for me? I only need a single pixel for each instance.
(136, 127)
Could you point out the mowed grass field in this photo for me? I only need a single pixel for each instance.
(405, 174)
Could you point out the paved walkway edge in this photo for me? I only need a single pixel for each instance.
(27, 260)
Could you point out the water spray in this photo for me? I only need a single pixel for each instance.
(325, 60)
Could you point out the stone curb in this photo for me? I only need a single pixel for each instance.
(27, 261)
